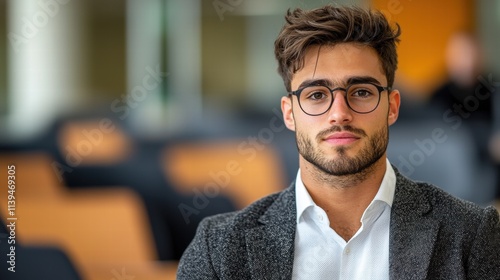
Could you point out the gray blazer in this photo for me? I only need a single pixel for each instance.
(432, 236)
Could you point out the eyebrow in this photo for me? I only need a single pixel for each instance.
(362, 79)
(315, 82)
(329, 83)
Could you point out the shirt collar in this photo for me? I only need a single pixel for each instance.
(302, 197)
(385, 193)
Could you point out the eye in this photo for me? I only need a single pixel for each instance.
(317, 95)
(361, 93)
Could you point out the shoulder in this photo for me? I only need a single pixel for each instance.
(440, 205)
(467, 228)
(464, 236)
(219, 243)
(451, 206)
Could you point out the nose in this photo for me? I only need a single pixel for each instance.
(340, 112)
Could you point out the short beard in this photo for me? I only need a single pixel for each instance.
(352, 169)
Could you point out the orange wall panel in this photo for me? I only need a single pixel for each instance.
(426, 26)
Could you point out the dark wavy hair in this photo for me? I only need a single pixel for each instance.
(330, 25)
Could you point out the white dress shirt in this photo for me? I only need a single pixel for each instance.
(320, 253)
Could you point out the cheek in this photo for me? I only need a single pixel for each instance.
(303, 122)
(379, 123)
(372, 123)
(381, 115)
(309, 127)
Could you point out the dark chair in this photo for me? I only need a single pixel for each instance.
(34, 262)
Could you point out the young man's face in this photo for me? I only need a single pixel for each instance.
(341, 141)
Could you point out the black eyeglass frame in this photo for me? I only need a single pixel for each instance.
(379, 88)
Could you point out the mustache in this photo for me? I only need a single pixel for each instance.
(337, 128)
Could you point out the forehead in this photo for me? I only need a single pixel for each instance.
(337, 63)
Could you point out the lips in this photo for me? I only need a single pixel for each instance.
(341, 138)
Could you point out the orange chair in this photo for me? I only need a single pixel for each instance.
(35, 174)
(89, 142)
(233, 168)
(101, 230)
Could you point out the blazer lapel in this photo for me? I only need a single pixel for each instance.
(412, 235)
(270, 246)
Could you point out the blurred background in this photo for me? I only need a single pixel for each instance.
(129, 121)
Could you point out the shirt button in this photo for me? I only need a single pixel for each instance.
(347, 251)
(320, 217)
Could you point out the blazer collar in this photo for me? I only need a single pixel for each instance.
(412, 235)
(271, 245)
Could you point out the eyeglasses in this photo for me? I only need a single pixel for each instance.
(362, 98)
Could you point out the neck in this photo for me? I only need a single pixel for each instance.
(344, 198)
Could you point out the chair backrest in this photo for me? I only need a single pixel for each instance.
(93, 142)
(35, 174)
(93, 226)
(237, 169)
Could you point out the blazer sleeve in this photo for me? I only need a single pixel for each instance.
(196, 262)
(484, 258)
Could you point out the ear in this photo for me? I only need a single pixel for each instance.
(286, 109)
(394, 102)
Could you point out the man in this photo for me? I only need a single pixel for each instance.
(349, 214)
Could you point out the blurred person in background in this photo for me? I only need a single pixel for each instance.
(494, 144)
(463, 91)
(469, 94)
(350, 214)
